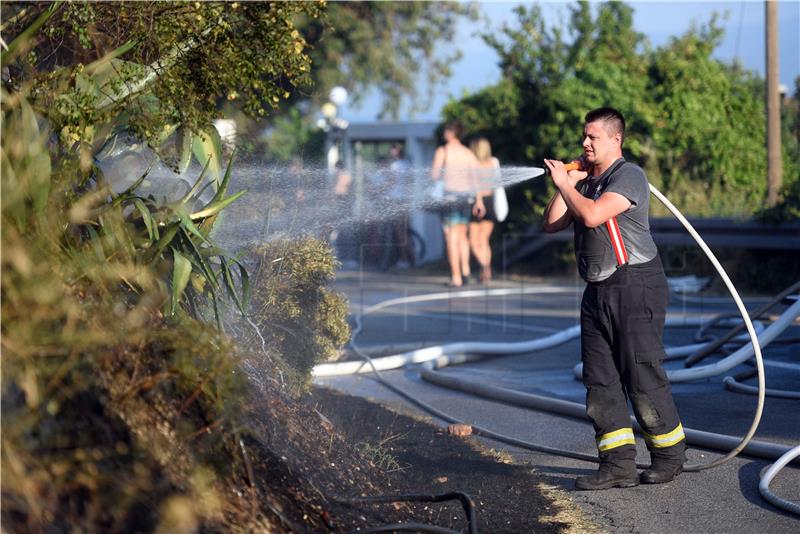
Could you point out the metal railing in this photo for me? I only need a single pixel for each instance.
(717, 232)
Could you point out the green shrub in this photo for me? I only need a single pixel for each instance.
(302, 322)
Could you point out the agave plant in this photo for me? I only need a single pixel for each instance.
(182, 231)
(109, 82)
(177, 232)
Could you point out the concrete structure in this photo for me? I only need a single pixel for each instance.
(419, 139)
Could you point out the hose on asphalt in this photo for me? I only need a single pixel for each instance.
(740, 356)
(478, 430)
(467, 503)
(720, 321)
(406, 527)
(732, 382)
(429, 353)
(694, 437)
(769, 474)
(709, 349)
(736, 358)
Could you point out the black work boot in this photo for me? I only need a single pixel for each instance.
(661, 472)
(605, 479)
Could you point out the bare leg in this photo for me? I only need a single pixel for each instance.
(475, 241)
(463, 248)
(486, 228)
(479, 234)
(453, 253)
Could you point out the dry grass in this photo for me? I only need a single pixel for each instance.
(566, 513)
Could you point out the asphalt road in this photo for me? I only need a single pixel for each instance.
(723, 499)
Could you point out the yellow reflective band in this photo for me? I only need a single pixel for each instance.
(618, 438)
(667, 440)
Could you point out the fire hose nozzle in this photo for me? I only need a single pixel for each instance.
(575, 165)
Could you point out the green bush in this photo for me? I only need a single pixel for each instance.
(300, 320)
(695, 124)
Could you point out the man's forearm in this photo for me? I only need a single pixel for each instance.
(578, 206)
(593, 213)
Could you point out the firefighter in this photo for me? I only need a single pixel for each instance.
(623, 306)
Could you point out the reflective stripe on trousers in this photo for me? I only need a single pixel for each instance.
(666, 440)
(622, 324)
(617, 438)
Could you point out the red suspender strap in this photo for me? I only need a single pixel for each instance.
(616, 241)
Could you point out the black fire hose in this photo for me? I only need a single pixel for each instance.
(466, 502)
(405, 527)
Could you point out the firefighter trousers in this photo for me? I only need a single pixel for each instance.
(622, 327)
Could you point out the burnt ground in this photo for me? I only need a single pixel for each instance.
(415, 457)
(297, 462)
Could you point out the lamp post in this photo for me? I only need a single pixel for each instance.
(333, 125)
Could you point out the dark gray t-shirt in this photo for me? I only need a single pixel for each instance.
(593, 248)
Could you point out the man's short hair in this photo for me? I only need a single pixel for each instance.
(612, 118)
(454, 126)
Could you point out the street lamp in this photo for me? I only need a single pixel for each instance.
(338, 95)
(333, 125)
(329, 111)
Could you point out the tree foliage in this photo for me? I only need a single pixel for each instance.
(292, 135)
(401, 50)
(788, 207)
(694, 123)
(191, 54)
(394, 47)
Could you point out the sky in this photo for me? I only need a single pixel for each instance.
(657, 20)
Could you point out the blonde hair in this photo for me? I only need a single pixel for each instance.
(482, 149)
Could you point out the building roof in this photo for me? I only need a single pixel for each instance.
(386, 130)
